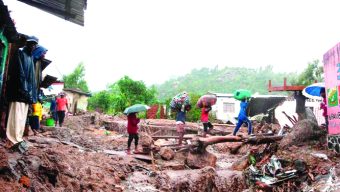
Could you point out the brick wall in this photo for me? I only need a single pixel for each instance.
(152, 112)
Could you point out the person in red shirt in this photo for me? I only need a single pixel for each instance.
(205, 120)
(62, 105)
(132, 129)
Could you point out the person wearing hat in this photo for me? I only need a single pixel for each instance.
(21, 86)
(62, 105)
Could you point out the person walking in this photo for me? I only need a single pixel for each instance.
(205, 120)
(243, 118)
(62, 105)
(132, 129)
(180, 122)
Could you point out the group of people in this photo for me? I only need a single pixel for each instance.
(59, 106)
(24, 94)
(133, 120)
(23, 90)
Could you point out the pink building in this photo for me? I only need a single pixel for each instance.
(331, 61)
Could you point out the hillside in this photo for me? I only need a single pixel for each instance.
(224, 80)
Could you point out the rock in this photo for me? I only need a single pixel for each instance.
(241, 164)
(303, 131)
(145, 140)
(167, 153)
(200, 160)
(8, 162)
(95, 119)
(227, 180)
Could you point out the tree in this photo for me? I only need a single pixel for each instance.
(312, 73)
(195, 113)
(101, 101)
(222, 80)
(76, 79)
(121, 94)
(134, 91)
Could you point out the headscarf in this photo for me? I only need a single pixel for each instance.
(38, 52)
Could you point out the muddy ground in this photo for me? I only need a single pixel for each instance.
(88, 154)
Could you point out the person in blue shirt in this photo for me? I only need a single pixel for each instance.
(243, 118)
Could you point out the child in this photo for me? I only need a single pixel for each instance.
(205, 120)
(36, 117)
(132, 130)
(242, 118)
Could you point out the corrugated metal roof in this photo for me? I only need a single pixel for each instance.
(70, 10)
(77, 91)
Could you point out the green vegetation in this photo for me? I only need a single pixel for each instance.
(312, 73)
(127, 92)
(121, 94)
(225, 80)
(76, 79)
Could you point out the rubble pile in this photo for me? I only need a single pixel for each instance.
(88, 154)
(49, 165)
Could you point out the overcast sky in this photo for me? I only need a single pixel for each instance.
(155, 40)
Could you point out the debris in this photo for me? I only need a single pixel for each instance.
(320, 155)
(25, 181)
(272, 174)
(67, 159)
(325, 183)
(304, 131)
(241, 164)
(167, 153)
(200, 160)
(148, 171)
(273, 166)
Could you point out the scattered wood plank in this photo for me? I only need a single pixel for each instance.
(168, 128)
(145, 158)
(204, 142)
(170, 137)
(263, 139)
(201, 143)
(169, 145)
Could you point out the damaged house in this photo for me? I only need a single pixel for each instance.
(227, 108)
(77, 100)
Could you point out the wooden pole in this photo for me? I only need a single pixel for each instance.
(170, 137)
(151, 152)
